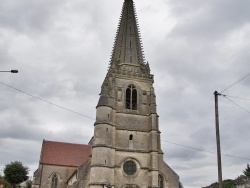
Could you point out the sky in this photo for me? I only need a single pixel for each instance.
(62, 51)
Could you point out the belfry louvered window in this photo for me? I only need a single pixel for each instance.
(131, 98)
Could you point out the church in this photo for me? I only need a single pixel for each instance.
(125, 151)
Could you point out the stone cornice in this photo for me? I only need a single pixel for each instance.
(103, 165)
(106, 123)
(102, 145)
(129, 74)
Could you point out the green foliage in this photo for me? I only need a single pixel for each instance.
(246, 172)
(229, 184)
(245, 177)
(180, 185)
(225, 184)
(4, 182)
(28, 184)
(232, 183)
(15, 173)
(241, 179)
(214, 185)
(1, 180)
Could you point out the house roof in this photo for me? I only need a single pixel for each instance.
(64, 154)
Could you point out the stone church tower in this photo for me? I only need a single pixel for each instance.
(126, 148)
(125, 151)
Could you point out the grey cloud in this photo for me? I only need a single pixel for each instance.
(18, 125)
(210, 19)
(27, 16)
(62, 51)
(185, 154)
(17, 150)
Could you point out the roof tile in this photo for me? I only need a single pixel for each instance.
(65, 154)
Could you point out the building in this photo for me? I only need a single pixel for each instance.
(126, 147)
(58, 162)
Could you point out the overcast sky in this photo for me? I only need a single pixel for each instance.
(62, 50)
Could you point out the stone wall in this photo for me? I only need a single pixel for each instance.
(63, 174)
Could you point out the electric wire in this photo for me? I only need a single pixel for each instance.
(203, 150)
(237, 97)
(233, 84)
(236, 104)
(67, 109)
(43, 100)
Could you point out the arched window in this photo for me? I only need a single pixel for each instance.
(54, 181)
(131, 98)
(160, 181)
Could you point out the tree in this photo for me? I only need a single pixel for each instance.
(246, 172)
(28, 184)
(4, 182)
(1, 180)
(180, 185)
(225, 184)
(229, 184)
(15, 173)
(244, 178)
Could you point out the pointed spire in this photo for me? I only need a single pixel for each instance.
(127, 47)
(127, 57)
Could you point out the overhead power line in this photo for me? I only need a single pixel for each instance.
(67, 109)
(43, 100)
(236, 104)
(233, 84)
(203, 150)
(238, 98)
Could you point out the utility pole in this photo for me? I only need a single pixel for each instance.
(216, 94)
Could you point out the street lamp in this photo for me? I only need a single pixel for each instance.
(12, 71)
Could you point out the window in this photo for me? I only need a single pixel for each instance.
(131, 98)
(54, 181)
(129, 167)
(131, 143)
(131, 137)
(160, 181)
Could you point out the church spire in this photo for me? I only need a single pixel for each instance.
(127, 52)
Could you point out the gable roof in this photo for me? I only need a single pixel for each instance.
(64, 154)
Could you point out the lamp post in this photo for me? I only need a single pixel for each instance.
(12, 71)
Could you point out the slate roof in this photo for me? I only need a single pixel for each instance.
(64, 154)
